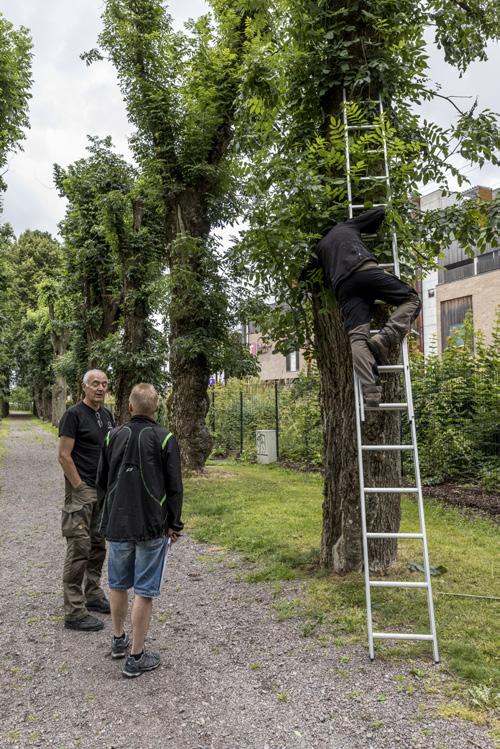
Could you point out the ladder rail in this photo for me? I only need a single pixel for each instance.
(420, 501)
(358, 398)
(360, 418)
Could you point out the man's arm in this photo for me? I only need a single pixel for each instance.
(369, 221)
(311, 273)
(101, 480)
(65, 449)
(173, 485)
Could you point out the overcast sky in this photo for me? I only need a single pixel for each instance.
(70, 101)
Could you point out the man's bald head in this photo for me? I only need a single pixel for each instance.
(94, 374)
(143, 400)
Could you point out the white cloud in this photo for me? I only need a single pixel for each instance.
(70, 101)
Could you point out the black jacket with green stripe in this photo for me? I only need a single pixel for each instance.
(140, 476)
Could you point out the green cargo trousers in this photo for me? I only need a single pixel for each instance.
(85, 550)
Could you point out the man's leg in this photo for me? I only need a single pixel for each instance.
(121, 563)
(94, 594)
(407, 302)
(141, 617)
(118, 600)
(365, 365)
(150, 559)
(357, 310)
(75, 521)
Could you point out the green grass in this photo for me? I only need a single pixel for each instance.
(273, 517)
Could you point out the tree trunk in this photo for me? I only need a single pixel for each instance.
(188, 404)
(59, 397)
(341, 548)
(133, 340)
(46, 404)
(341, 539)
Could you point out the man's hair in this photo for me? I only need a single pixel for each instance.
(87, 374)
(144, 399)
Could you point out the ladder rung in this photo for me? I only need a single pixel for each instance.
(374, 150)
(387, 447)
(387, 407)
(369, 236)
(361, 127)
(375, 205)
(391, 490)
(395, 584)
(390, 367)
(394, 535)
(375, 177)
(399, 636)
(386, 265)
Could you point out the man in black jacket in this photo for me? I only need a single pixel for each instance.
(346, 264)
(140, 474)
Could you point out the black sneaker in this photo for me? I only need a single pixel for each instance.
(101, 605)
(87, 624)
(119, 646)
(147, 662)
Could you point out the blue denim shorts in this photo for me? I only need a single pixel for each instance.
(137, 564)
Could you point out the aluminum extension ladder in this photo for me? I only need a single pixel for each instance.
(407, 406)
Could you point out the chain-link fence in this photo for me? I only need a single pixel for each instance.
(239, 409)
(457, 416)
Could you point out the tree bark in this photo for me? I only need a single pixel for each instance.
(189, 402)
(59, 394)
(59, 397)
(341, 548)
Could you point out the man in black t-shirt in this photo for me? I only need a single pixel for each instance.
(82, 431)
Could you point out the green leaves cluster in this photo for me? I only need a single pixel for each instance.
(295, 180)
(15, 84)
(457, 402)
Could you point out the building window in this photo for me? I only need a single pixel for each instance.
(293, 362)
(489, 261)
(453, 314)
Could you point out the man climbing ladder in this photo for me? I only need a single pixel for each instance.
(357, 281)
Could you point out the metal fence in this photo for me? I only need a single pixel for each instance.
(457, 416)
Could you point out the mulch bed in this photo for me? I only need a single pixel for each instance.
(466, 496)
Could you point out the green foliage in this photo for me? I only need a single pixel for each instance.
(300, 435)
(457, 403)
(15, 84)
(456, 399)
(295, 139)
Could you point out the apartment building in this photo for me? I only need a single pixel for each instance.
(460, 284)
(273, 366)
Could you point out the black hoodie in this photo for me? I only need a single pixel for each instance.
(140, 473)
(341, 251)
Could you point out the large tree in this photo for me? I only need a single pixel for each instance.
(182, 93)
(296, 185)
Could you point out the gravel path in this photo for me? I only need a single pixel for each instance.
(232, 677)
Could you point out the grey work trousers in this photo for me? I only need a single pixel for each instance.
(357, 297)
(85, 551)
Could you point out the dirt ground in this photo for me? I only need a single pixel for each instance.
(232, 677)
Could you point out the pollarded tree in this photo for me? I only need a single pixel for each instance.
(296, 185)
(182, 94)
